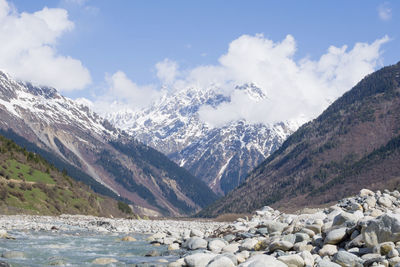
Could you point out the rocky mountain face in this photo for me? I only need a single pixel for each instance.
(74, 138)
(220, 156)
(354, 143)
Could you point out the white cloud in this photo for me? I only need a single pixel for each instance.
(294, 89)
(122, 93)
(27, 48)
(384, 11)
(167, 71)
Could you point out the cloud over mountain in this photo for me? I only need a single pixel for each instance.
(295, 89)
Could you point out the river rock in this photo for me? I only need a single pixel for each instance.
(128, 239)
(13, 255)
(234, 247)
(3, 233)
(173, 246)
(104, 261)
(385, 201)
(196, 232)
(293, 260)
(262, 260)
(328, 250)
(347, 259)
(273, 226)
(195, 243)
(216, 245)
(198, 259)
(327, 263)
(248, 244)
(282, 245)
(382, 229)
(335, 236)
(221, 261)
(307, 257)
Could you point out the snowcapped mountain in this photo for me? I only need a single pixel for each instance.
(220, 156)
(72, 137)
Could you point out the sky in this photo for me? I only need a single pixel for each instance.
(120, 54)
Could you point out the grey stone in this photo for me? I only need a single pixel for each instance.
(328, 250)
(385, 201)
(327, 263)
(248, 244)
(216, 245)
(273, 226)
(293, 260)
(198, 259)
(231, 248)
(195, 243)
(347, 259)
(382, 229)
(282, 245)
(13, 254)
(196, 232)
(220, 262)
(262, 260)
(335, 236)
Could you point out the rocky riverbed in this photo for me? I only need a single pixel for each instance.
(363, 230)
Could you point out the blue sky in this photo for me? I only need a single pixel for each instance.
(133, 36)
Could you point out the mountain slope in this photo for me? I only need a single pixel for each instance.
(221, 156)
(29, 184)
(73, 136)
(352, 142)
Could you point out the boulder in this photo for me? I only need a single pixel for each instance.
(13, 255)
(198, 259)
(293, 260)
(328, 250)
(335, 236)
(195, 243)
(282, 245)
(128, 239)
(327, 263)
(262, 260)
(382, 229)
(104, 261)
(347, 259)
(216, 245)
(221, 261)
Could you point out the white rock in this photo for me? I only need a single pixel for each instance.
(234, 247)
(385, 201)
(262, 260)
(382, 229)
(335, 236)
(293, 260)
(328, 250)
(216, 245)
(199, 259)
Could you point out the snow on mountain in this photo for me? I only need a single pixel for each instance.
(221, 156)
(90, 146)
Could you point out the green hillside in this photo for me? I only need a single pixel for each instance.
(30, 185)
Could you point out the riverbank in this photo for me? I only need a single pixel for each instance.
(363, 230)
(103, 225)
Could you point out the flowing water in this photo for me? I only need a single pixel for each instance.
(74, 248)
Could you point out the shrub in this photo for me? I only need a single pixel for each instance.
(122, 206)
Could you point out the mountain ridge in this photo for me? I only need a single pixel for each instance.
(333, 152)
(82, 139)
(219, 155)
